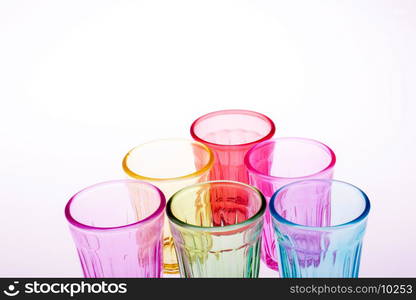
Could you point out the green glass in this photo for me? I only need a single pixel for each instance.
(216, 229)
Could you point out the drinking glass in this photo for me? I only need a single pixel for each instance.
(169, 164)
(230, 134)
(319, 225)
(117, 228)
(274, 163)
(223, 247)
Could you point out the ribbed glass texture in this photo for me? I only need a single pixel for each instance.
(117, 228)
(319, 225)
(230, 134)
(221, 244)
(274, 163)
(169, 164)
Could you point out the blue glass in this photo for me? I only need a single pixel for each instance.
(319, 226)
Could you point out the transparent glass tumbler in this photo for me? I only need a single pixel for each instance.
(319, 226)
(169, 164)
(274, 163)
(117, 228)
(230, 134)
(207, 249)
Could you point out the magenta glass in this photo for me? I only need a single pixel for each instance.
(274, 163)
(230, 134)
(117, 228)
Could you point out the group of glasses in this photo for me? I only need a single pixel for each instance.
(235, 196)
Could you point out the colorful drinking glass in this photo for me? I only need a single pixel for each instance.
(274, 163)
(230, 134)
(170, 164)
(117, 228)
(206, 248)
(319, 226)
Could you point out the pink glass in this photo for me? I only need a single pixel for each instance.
(277, 162)
(230, 134)
(117, 228)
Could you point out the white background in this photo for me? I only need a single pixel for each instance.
(82, 82)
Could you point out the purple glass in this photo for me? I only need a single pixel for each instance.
(274, 163)
(117, 228)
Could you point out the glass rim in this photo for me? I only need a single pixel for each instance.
(158, 211)
(255, 171)
(217, 229)
(354, 221)
(199, 172)
(234, 112)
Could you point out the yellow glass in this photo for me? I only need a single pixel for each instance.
(169, 164)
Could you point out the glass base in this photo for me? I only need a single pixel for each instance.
(271, 264)
(170, 268)
(170, 265)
